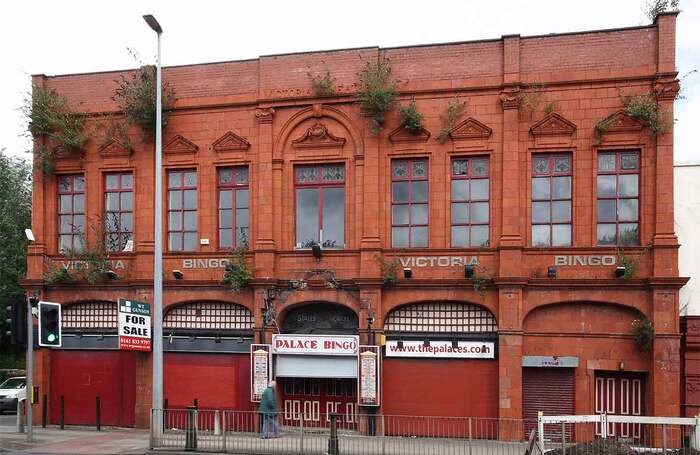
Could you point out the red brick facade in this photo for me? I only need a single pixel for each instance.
(584, 312)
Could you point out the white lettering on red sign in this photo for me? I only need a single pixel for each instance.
(315, 344)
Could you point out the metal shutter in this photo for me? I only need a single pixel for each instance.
(550, 390)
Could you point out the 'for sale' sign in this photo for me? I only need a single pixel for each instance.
(134, 325)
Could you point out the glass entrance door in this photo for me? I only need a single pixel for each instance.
(314, 399)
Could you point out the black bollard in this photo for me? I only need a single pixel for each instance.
(43, 411)
(191, 429)
(97, 413)
(333, 440)
(63, 407)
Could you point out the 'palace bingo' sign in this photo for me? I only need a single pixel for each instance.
(315, 344)
(134, 325)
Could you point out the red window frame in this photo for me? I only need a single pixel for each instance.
(469, 176)
(321, 184)
(617, 172)
(122, 235)
(410, 177)
(182, 210)
(552, 173)
(75, 233)
(239, 182)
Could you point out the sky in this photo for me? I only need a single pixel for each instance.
(75, 36)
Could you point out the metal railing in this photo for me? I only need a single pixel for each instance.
(333, 434)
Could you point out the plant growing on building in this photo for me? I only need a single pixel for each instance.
(602, 125)
(644, 333)
(389, 269)
(655, 7)
(321, 85)
(449, 118)
(411, 119)
(645, 109)
(237, 275)
(59, 275)
(550, 107)
(479, 279)
(50, 116)
(530, 98)
(630, 264)
(114, 130)
(376, 92)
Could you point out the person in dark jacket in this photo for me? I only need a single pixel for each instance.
(268, 409)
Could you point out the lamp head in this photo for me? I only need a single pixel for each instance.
(153, 23)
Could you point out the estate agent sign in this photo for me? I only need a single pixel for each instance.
(134, 325)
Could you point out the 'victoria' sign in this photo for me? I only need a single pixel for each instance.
(315, 344)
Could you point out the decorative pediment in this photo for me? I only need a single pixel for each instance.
(553, 125)
(619, 122)
(230, 142)
(401, 134)
(179, 144)
(471, 129)
(318, 136)
(113, 148)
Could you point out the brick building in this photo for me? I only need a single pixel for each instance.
(504, 234)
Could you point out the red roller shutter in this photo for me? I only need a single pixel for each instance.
(550, 390)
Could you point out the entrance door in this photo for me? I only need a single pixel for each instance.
(314, 399)
(620, 394)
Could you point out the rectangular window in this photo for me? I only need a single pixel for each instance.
(233, 207)
(182, 210)
(409, 203)
(618, 198)
(551, 200)
(119, 210)
(320, 205)
(71, 212)
(470, 202)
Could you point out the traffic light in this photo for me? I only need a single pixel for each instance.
(16, 322)
(49, 324)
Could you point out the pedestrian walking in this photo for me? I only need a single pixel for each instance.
(268, 410)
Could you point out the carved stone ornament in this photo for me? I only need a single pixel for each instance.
(620, 121)
(510, 98)
(230, 142)
(179, 144)
(113, 148)
(667, 89)
(471, 129)
(318, 136)
(401, 134)
(553, 125)
(264, 115)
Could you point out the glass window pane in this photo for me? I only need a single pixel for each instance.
(540, 165)
(419, 213)
(606, 162)
(127, 222)
(111, 221)
(606, 234)
(78, 224)
(79, 183)
(629, 161)
(127, 181)
(479, 236)
(190, 241)
(627, 210)
(460, 190)
(459, 167)
(333, 173)
(561, 188)
(225, 199)
(334, 217)
(174, 200)
(127, 200)
(606, 210)
(399, 168)
(225, 176)
(540, 212)
(399, 192)
(562, 164)
(561, 211)
(225, 218)
(419, 237)
(241, 175)
(174, 179)
(112, 182)
(225, 238)
(629, 185)
(64, 183)
(399, 237)
(479, 212)
(561, 235)
(399, 214)
(190, 179)
(307, 216)
(607, 186)
(242, 218)
(306, 174)
(420, 168)
(460, 236)
(540, 188)
(65, 204)
(480, 167)
(65, 242)
(175, 241)
(460, 213)
(419, 191)
(241, 199)
(190, 199)
(242, 236)
(480, 189)
(175, 221)
(112, 242)
(190, 223)
(540, 236)
(65, 224)
(112, 202)
(629, 234)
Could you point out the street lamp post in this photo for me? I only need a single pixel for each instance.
(157, 356)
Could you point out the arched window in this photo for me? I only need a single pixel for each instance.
(441, 317)
(89, 315)
(209, 315)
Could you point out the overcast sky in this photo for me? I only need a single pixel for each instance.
(61, 37)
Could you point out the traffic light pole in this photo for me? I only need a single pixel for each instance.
(30, 370)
